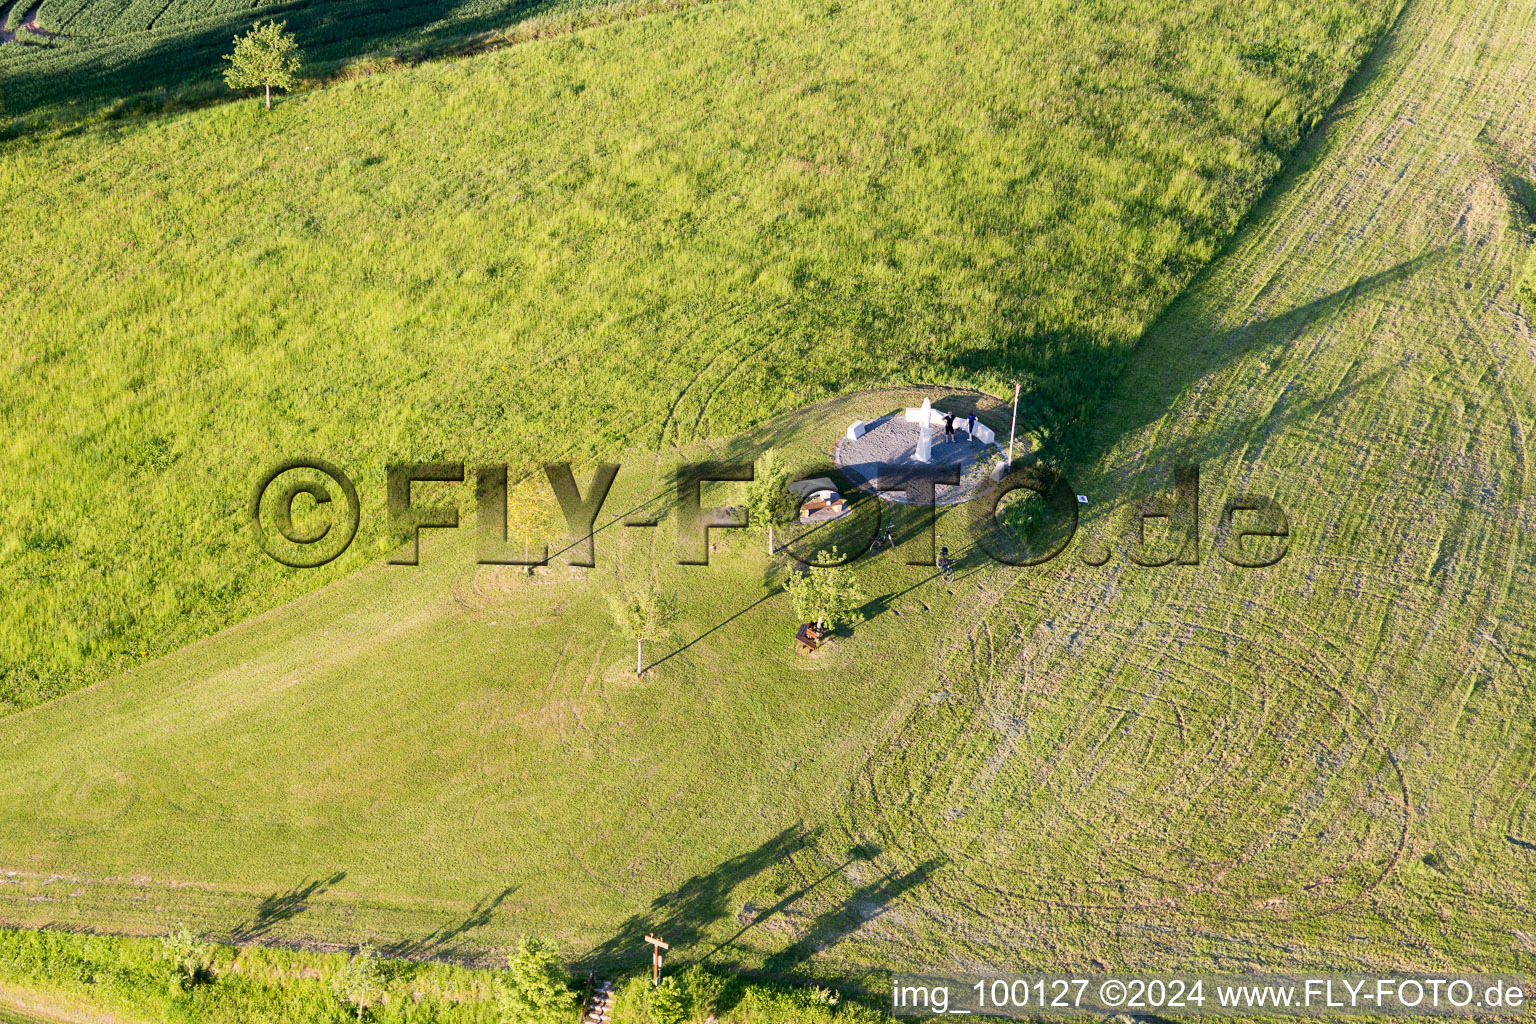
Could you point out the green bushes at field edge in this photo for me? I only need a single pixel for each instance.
(182, 979)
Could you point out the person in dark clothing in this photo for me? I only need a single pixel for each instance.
(970, 428)
(949, 426)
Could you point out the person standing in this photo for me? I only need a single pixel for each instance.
(949, 426)
(970, 428)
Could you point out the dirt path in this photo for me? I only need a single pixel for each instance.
(6, 35)
(29, 22)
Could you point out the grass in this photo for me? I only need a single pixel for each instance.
(111, 59)
(1323, 765)
(466, 751)
(84, 979)
(636, 236)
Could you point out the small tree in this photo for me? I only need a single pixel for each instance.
(265, 56)
(825, 596)
(768, 499)
(669, 1003)
(644, 615)
(360, 981)
(537, 989)
(186, 956)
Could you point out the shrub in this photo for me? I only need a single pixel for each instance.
(537, 989)
(186, 957)
(360, 981)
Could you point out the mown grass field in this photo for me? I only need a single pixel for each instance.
(1325, 764)
(465, 751)
(637, 236)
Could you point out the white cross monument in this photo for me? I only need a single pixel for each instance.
(925, 439)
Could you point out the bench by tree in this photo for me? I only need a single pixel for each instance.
(808, 638)
(825, 596)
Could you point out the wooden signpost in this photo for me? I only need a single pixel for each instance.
(656, 947)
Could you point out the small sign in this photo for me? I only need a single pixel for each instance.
(1082, 499)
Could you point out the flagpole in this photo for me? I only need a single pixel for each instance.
(1014, 428)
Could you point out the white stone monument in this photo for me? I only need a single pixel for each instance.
(925, 439)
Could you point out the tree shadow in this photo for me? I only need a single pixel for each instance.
(865, 904)
(1075, 383)
(449, 938)
(1180, 349)
(273, 910)
(685, 914)
(122, 71)
(716, 627)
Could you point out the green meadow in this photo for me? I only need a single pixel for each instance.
(633, 237)
(1285, 243)
(78, 60)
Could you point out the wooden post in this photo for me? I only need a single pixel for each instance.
(656, 947)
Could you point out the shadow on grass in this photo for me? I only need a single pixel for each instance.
(717, 626)
(448, 938)
(273, 910)
(128, 70)
(1182, 348)
(865, 904)
(1071, 379)
(685, 914)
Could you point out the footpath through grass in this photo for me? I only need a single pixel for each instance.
(634, 236)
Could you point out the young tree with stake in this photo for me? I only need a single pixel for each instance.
(266, 56)
(644, 615)
(768, 499)
(360, 981)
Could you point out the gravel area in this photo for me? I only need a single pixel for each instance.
(892, 442)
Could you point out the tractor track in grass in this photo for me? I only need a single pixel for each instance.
(1031, 745)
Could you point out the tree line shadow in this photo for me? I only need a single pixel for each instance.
(688, 915)
(1180, 349)
(281, 907)
(447, 941)
(450, 939)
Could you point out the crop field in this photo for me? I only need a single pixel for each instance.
(743, 225)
